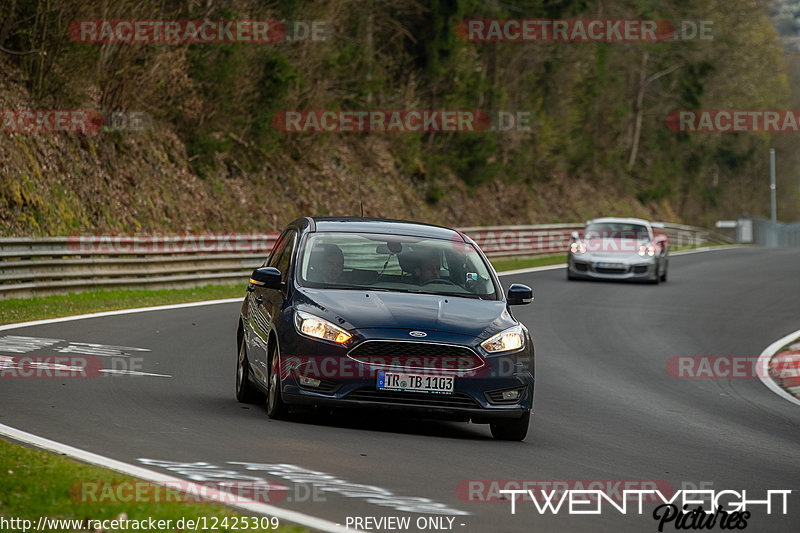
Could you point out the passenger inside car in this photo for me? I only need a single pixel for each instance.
(326, 263)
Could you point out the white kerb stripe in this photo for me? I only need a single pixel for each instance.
(763, 366)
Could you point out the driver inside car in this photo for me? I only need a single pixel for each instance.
(428, 268)
(327, 263)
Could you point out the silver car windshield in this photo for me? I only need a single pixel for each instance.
(617, 230)
(394, 263)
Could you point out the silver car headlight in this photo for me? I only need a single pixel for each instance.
(510, 339)
(318, 328)
(577, 247)
(647, 249)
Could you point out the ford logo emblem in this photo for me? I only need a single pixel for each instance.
(417, 333)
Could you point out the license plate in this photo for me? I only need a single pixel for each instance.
(400, 381)
(610, 265)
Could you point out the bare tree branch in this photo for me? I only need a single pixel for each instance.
(13, 53)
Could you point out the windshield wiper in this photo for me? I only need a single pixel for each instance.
(459, 294)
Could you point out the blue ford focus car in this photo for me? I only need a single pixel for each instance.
(372, 313)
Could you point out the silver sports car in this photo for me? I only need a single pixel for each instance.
(618, 249)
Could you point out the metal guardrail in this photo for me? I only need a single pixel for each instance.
(775, 234)
(50, 265)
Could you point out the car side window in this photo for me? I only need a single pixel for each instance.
(284, 261)
(277, 250)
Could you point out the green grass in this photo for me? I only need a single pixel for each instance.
(514, 263)
(693, 247)
(35, 483)
(40, 307)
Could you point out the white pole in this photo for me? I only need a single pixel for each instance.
(772, 183)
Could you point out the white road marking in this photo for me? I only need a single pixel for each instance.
(322, 483)
(118, 312)
(132, 373)
(18, 344)
(763, 366)
(164, 480)
(531, 269)
(100, 350)
(707, 249)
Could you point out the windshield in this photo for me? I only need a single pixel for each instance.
(617, 230)
(394, 263)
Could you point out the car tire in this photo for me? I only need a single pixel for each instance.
(656, 277)
(664, 275)
(276, 409)
(515, 429)
(246, 391)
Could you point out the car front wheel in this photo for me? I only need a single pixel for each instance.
(245, 390)
(276, 409)
(511, 429)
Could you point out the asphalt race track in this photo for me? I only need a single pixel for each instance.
(606, 408)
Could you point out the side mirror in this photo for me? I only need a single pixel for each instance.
(574, 235)
(267, 277)
(519, 294)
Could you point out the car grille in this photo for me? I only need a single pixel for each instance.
(641, 269)
(457, 400)
(610, 270)
(416, 355)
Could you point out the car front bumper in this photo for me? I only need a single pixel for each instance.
(625, 268)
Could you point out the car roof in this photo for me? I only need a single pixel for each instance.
(380, 225)
(620, 220)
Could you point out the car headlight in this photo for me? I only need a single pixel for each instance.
(647, 249)
(313, 326)
(577, 247)
(510, 339)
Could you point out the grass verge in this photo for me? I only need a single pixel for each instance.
(40, 307)
(515, 263)
(34, 484)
